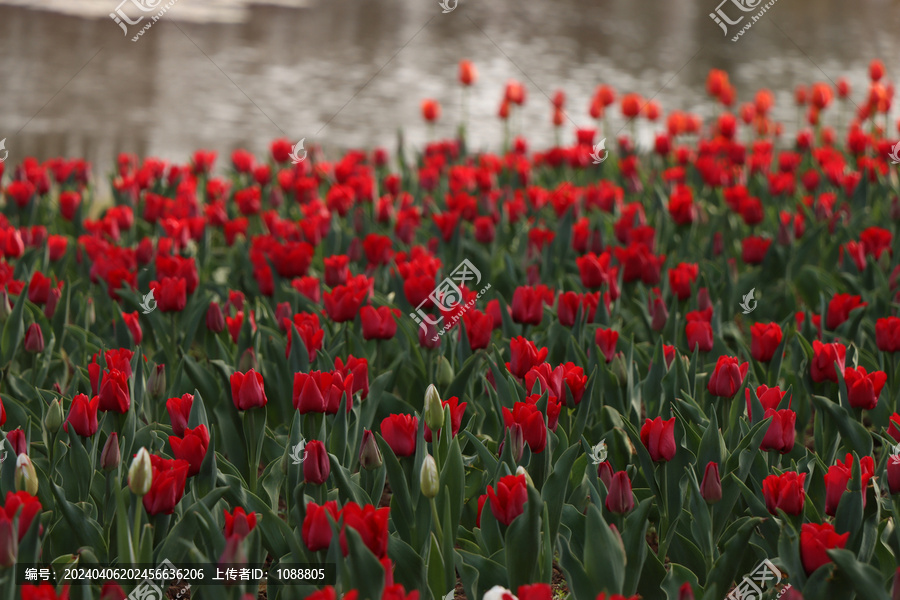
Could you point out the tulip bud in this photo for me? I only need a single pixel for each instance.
(619, 369)
(110, 457)
(711, 487)
(26, 477)
(316, 464)
(685, 592)
(140, 474)
(156, 382)
(34, 339)
(54, 418)
(445, 371)
(433, 411)
(248, 361)
(605, 473)
(893, 473)
(429, 481)
(517, 441)
(703, 300)
(52, 302)
(215, 320)
(620, 499)
(283, 311)
(520, 470)
(369, 454)
(90, 312)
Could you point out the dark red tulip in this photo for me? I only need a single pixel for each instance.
(316, 464)
(358, 368)
(699, 335)
(133, 323)
(681, 278)
(838, 476)
(887, 334)
(378, 323)
(321, 391)
(83, 415)
(170, 293)
(727, 377)
(532, 422)
(16, 437)
(343, 302)
(34, 339)
(524, 355)
(711, 486)
(620, 499)
(527, 305)
(893, 473)
(479, 327)
(658, 437)
(781, 433)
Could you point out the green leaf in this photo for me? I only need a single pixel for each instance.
(523, 542)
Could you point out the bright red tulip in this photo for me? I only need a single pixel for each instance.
(785, 491)
(764, 340)
(864, 388)
(839, 309)
(399, 431)
(606, 339)
(824, 357)
(781, 433)
(727, 377)
(179, 410)
(114, 394)
(370, 523)
(316, 530)
(191, 447)
(239, 522)
(247, 390)
(508, 499)
(457, 409)
(815, 540)
(658, 437)
(532, 422)
(378, 323)
(83, 415)
(524, 355)
(167, 487)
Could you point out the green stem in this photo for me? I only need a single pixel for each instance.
(136, 526)
(437, 521)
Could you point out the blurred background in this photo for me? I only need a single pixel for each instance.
(223, 74)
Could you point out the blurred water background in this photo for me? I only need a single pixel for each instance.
(223, 74)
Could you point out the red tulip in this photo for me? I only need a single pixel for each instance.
(431, 110)
(764, 340)
(524, 355)
(864, 388)
(824, 356)
(527, 305)
(781, 433)
(247, 390)
(893, 474)
(358, 369)
(399, 431)
(838, 476)
(239, 522)
(479, 327)
(711, 486)
(839, 309)
(606, 339)
(316, 464)
(620, 499)
(34, 339)
(320, 392)
(370, 523)
(68, 204)
(457, 409)
(508, 500)
(378, 323)
(887, 334)
(167, 487)
(179, 410)
(535, 591)
(785, 492)
(191, 447)
(815, 540)
(768, 397)
(658, 437)
(727, 377)
(170, 293)
(754, 249)
(215, 320)
(532, 422)
(343, 302)
(699, 335)
(681, 278)
(30, 508)
(16, 437)
(132, 322)
(2, 413)
(310, 332)
(316, 530)
(114, 393)
(467, 72)
(83, 415)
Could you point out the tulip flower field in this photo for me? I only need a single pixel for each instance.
(665, 371)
